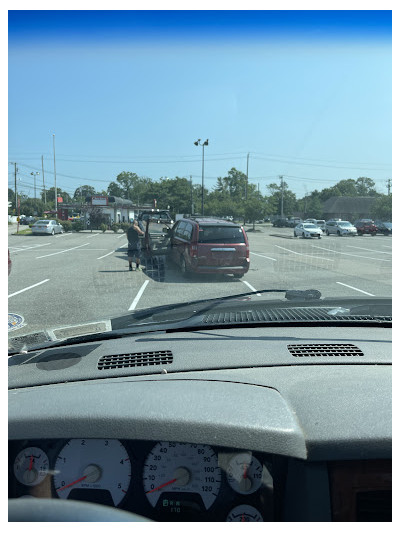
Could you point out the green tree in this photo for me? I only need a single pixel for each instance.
(273, 201)
(254, 209)
(60, 193)
(32, 207)
(81, 193)
(382, 209)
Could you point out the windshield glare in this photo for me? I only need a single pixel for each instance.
(173, 156)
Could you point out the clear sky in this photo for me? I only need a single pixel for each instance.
(306, 93)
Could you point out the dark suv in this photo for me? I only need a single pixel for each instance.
(366, 226)
(209, 245)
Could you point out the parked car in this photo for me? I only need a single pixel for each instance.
(366, 226)
(311, 220)
(340, 228)
(293, 222)
(27, 220)
(384, 227)
(280, 223)
(321, 224)
(307, 230)
(47, 227)
(206, 245)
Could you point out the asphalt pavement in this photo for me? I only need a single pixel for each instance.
(77, 278)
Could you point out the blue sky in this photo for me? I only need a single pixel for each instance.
(307, 94)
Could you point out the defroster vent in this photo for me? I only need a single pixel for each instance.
(324, 350)
(130, 360)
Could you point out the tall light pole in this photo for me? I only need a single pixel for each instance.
(34, 174)
(55, 178)
(205, 143)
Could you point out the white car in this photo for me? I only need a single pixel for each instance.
(46, 227)
(307, 230)
(321, 224)
(340, 228)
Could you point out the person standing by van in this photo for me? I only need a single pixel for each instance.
(134, 244)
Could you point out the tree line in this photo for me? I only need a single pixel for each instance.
(231, 196)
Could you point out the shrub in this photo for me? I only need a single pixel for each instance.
(115, 227)
(103, 227)
(124, 226)
(66, 224)
(78, 226)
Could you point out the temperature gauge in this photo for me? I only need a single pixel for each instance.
(31, 466)
(244, 513)
(244, 473)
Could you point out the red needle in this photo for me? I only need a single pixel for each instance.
(245, 471)
(73, 483)
(161, 486)
(30, 463)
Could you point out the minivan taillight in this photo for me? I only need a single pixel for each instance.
(193, 250)
(247, 251)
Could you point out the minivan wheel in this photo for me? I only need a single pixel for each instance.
(338, 234)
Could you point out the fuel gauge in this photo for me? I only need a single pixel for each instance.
(244, 473)
(244, 513)
(31, 466)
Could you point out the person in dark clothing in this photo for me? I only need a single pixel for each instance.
(134, 245)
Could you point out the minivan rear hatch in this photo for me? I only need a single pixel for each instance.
(221, 245)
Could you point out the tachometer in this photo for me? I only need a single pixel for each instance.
(244, 513)
(97, 470)
(182, 469)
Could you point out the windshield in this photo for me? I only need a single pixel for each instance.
(229, 127)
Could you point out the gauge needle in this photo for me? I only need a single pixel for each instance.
(161, 486)
(245, 471)
(30, 463)
(73, 483)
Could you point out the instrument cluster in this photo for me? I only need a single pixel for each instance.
(164, 481)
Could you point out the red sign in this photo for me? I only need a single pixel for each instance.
(59, 199)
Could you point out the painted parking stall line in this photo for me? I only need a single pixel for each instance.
(116, 250)
(28, 288)
(304, 255)
(369, 250)
(355, 288)
(63, 251)
(95, 235)
(250, 287)
(23, 248)
(264, 256)
(138, 296)
(353, 255)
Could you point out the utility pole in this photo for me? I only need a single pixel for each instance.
(191, 196)
(205, 143)
(16, 195)
(281, 178)
(247, 175)
(389, 184)
(34, 174)
(55, 176)
(44, 187)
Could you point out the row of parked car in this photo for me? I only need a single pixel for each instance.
(335, 226)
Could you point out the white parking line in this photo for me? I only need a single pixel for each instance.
(352, 255)
(63, 251)
(27, 288)
(95, 235)
(369, 250)
(62, 235)
(138, 296)
(305, 255)
(355, 289)
(265, 256)
(123, 235)
(116, 250)
(250, 287)
(21, 249)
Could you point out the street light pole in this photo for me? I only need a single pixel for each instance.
(205, 143)
(34, 174)
(55, 178)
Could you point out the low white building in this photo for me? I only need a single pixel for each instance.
(115, 209)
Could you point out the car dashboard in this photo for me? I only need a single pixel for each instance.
(201, 433)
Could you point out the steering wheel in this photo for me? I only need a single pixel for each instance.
(51, 510)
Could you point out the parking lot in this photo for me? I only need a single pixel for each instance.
(82, 277)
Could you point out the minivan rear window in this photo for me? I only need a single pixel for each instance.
(221, 234)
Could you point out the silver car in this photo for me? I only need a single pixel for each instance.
(47, 227)
(340, 228)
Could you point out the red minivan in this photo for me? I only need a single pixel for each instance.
(209, 245)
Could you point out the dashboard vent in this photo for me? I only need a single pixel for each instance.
(324, 350)
(129, 360)
(294, 314)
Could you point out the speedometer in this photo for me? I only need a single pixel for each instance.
(97, 470)
(182, 469)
